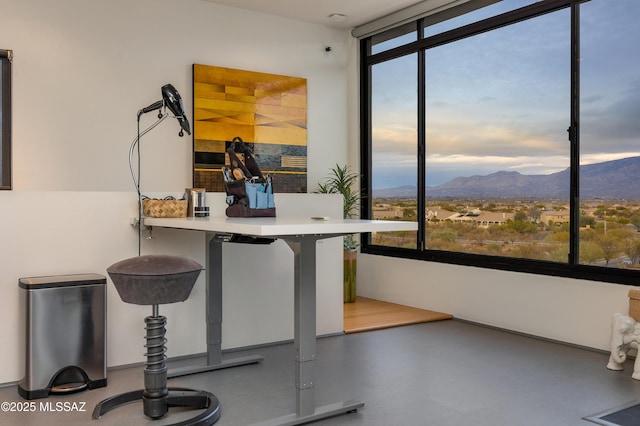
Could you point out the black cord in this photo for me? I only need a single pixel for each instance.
(161, 117)
(139, 196)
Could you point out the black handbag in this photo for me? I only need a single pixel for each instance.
(249, 192)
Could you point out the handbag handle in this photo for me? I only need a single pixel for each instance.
(244, 149)
(250, 167)
(235, 161)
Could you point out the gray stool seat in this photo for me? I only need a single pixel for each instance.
(158, 280)
(154, 279)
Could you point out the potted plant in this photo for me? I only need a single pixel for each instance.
(341, 181)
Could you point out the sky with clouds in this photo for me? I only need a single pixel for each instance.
(500, 100)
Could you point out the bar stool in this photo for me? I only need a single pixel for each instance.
(156, 280)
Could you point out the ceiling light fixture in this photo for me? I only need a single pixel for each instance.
(337, 17)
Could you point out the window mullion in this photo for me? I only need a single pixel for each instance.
(574, 136)
(422, 151)
(365, 137)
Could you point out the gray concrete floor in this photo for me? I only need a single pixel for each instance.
(447, 373)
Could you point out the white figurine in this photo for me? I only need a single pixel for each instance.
(625, 335)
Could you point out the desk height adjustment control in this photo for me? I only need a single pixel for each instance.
(222, 237)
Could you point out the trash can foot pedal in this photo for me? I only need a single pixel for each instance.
(69, 388)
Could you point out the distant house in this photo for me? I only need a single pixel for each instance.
(484, 219)
(438, 213)
(494, 218)
(557, 217)
(386, 211)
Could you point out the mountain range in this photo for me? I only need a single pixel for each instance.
(617, 179)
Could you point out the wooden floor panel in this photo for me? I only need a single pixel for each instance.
(369, 314)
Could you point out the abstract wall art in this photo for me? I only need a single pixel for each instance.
(268, 111)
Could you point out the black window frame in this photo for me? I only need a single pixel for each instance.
(6, 58)
(571, 269)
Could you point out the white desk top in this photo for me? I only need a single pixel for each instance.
(280, 226)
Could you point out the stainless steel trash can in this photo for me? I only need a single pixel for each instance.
(64, 325)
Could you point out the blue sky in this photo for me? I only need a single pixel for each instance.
(500, 101)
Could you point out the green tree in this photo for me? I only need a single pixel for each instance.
(534, 213)
(590, 252)
(520, 217)
(587, 221)
(522, 227)
(408, 214)
(477, 234)
(631, 247)
(609, 246)
(560, 236)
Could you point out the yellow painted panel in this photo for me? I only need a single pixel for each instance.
(208, 90)
(244, 91)
(223, 105)
(213, 117)
(223, 131)
(209, 146)
(262, 120)
(280, 111)
(242, 78)
(294, 100)
(241, 98)
(268, 98)
(200, 114)
(280, 135)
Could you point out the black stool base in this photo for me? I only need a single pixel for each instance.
(177, 397)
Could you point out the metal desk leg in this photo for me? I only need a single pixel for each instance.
(214, 318)
(304, 250)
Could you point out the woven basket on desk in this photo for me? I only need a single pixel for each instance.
(164, 208)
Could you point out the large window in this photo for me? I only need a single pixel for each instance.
(394, 144)
(510, 134)
(5, 119)
(610, 134)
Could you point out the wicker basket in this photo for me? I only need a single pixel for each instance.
(634, 304)
(164, 208)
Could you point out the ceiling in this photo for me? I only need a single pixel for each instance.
(357, 12)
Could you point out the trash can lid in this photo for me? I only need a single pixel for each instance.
(53, 281)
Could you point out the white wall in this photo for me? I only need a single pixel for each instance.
(82, 69)
(569, 310)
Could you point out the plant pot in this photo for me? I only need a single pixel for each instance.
(349, 271)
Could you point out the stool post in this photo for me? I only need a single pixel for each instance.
(155, 372)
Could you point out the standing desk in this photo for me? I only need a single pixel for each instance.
(301, 234)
